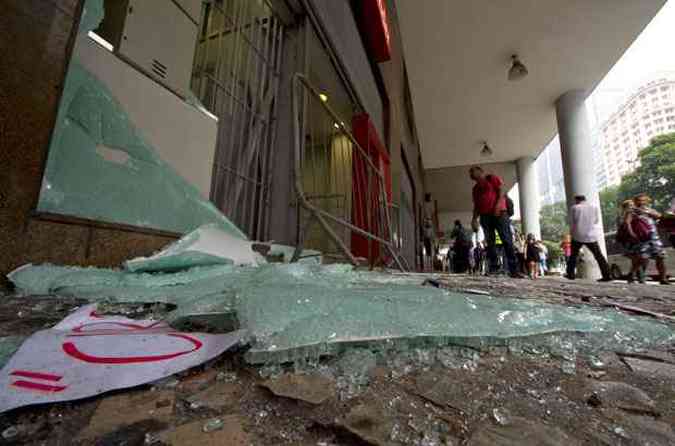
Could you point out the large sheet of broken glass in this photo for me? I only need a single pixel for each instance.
(296, 311)
(301, 310)
(100, 166)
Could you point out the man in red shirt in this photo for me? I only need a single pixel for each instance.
(489, 210)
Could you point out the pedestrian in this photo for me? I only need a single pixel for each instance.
(532, 256)
(667, 223)
(472, 259)
(428, 238)
(519, 247)
(500, 266)
(543, 257)
(491, 213)
(566, 246)
(650, 246)
(451, 257)
(479, 258)
(629, 240)
(584, 222)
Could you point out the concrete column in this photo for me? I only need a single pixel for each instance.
(577, 158)
(528, 189)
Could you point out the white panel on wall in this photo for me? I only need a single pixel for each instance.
(183, 136)
(160, 38)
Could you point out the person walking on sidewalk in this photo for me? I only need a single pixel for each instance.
(566, 246)
(650, 247)
(490, 212)
(584, 223)
(543, 258)
(629, 240)
(520, 245)
(532, 256)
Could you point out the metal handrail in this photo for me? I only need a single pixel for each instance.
(300, 80)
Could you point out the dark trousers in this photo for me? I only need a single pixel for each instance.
(428, 247)
(502, 225)
(594, 248)
(522, 264)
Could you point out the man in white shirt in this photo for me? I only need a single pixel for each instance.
(584, 223)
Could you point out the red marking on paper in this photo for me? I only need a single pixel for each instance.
(36, 375)
(71, 349)
(125, 325)
(28, 385)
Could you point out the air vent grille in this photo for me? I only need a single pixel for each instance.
(159, 68)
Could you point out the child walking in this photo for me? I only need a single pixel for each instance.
(532, 255)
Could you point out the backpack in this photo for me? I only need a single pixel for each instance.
(509, 206)
(640, 228)
(622, 235)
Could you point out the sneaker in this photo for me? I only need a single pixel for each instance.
(664, 282)
(606, 279)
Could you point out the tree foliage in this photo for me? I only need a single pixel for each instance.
(655, 175)
(553, 221)
(555, 252)
(609, 205)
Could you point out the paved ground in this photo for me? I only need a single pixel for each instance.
(421, 399)
(651, 296)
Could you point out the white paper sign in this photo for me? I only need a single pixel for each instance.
(87, 354)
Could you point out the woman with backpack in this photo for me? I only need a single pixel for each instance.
(626, 236)
(641, 238)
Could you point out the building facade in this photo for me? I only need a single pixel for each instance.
(128, 142)
(647, 113)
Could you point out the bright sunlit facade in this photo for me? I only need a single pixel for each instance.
(647, 113)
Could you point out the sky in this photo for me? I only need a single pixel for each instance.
(649, 56)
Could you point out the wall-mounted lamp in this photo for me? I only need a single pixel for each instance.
(518, 70)
(486, 150)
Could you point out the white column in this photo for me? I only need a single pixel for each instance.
(528, 189)
(577, 158)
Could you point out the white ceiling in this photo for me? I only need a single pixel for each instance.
(458, 54)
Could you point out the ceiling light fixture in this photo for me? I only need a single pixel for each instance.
(323, 97)
(518, 70)
(486, 151)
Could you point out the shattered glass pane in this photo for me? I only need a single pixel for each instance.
(299, 312)
(82, 181)
(8, 346)
(304, 309)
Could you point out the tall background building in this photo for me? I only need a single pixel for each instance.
(550, 173)
(647, 113)
(622, 124)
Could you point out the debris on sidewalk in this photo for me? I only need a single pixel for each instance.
(622, 396)
(87, 354)
(369, 423)
(651, 368)
(205, 246)
(216, 397)
(520, 431)
(227, 432)
(311, 388)
(376, 356)
(113, 411)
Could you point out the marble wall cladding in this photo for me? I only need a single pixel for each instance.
(36, 44)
